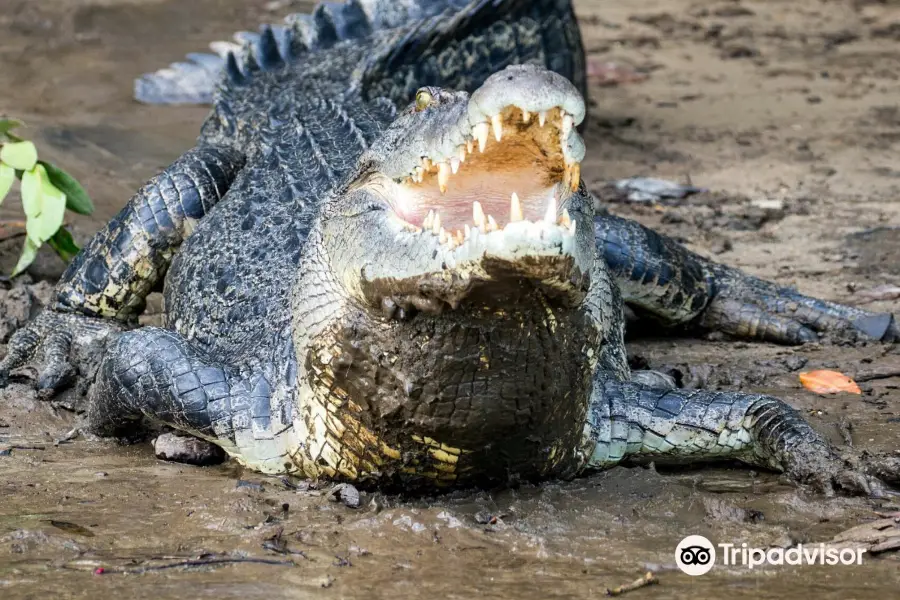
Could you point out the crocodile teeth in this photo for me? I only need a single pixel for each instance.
(454, 165)
(492, 224)
(462, 154)
(575, 176)
(468, 231)
(420, 174)
(470, 146)
(515, 209)
(426, 163)
(459, 238)
(567, 123)
(429, 219)
(436, 225)
(497, 126)
(572, 227)
(481, 132)
(550, 215)
(478, 216)
(442, 235)
(565, 220)
(526, 116)
(542, 117)
(443, 176)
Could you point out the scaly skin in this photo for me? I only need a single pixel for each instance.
(662, 280)
(282, 347)
(633, 423)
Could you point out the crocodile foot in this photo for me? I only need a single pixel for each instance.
(65, 344)
(748, 307)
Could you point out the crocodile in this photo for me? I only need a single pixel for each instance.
(380, 265)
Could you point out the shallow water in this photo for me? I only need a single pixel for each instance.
(89, 519)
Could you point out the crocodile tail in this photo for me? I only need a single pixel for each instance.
(194, 81)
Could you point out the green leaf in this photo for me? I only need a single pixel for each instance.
(32, 190)
(77, 200)
(29, 252)
(53, 209)
(7, 125)
(19, 155)
(33, 229)
(64, 245)
(7, 176)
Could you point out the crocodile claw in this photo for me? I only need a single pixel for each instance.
(747, 307)
(853, 474)
(56, 340)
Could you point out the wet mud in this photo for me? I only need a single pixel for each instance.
(785, 112)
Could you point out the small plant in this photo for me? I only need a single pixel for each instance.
(47, 191)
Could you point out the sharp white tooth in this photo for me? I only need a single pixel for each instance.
(462, 154)
(442, 236)
(436, 224)
(526, 116)
(567, 123)
(492, 224)
(426, 163)
(459, 239)
(481, 133)
(454, 165)
(515, 209)
(572, 227)
(420, 174)
(550, 215)
(542, 117)
(497, 126)
(429, 219)
(443, 176)
(478, 215)
(564, 219)
(470, 146)
(468, 231)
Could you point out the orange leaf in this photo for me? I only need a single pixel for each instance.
(828, 382)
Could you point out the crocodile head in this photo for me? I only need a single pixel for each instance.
(452, 290)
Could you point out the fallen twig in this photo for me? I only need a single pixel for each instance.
(877, 374)
(185, 564)
(648, 579)
(7, 450)
(10, 229)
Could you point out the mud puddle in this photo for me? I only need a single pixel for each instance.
(782, 110)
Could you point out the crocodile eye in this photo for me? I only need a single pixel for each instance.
(423, 99)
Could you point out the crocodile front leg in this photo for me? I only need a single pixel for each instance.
(674, 286)
(105, 287)
(153, 374)
(631, 422)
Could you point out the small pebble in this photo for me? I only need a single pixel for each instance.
(346, 493)
(188, 450)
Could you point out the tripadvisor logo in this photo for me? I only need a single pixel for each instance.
(696, 555)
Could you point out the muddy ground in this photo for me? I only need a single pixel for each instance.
(787, 111)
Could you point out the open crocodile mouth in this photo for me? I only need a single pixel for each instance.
(513, 174)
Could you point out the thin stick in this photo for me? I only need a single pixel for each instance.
(648, 579)
(877, 374)
(187, 564)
